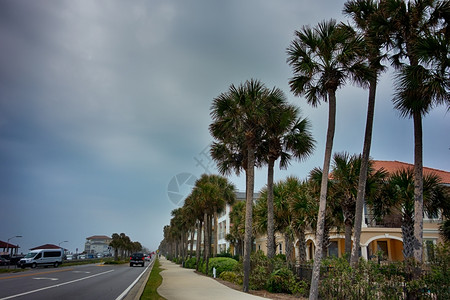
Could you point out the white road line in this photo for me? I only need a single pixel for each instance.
(53, 286)
(121, 296)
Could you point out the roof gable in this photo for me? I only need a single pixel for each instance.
(46, 246)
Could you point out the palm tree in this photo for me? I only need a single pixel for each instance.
(116, 245)
(398, 199)
(214, 192)
(323, 59)
(226, 196)
(304, 209)
(237, 227)
(196, 205)
(238, 117)
(420, 84)
(286, 136)
(372, 23)
(345, 175)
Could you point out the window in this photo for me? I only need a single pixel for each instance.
(52, 253)
(333, 250)
(429, 250)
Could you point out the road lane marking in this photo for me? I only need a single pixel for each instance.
(45, 278)
(84, 272)
(54, 286)
(34, 274)
(124, 293)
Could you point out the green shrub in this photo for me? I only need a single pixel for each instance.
(282, 281)
(221, 264)
(190, 263)
(226, 254)
(259, 270)
(231, 276)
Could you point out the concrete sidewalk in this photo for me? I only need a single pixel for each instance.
(185, 284)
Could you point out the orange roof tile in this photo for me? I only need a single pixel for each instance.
(392, 166)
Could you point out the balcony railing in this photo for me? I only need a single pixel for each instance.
(390, 221)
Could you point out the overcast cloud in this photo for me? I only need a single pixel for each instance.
(103, 103)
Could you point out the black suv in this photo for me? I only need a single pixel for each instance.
(137, 259)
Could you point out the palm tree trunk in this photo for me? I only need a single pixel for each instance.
(191, 246)
(208, 239)
(216, 233)
(418, 188)
(348, 238)
(314, 290)
(363, 174)
(250, 177)
(408, 237)
(205, 236)
(270, 216)
(301, 246)
(288, 247)
(199, 242)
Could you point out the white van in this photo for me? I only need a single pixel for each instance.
(43, 257)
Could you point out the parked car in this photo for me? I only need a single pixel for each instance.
(69, 257)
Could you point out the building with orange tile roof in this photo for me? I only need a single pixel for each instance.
(376, 237)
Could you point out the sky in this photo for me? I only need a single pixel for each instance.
(105, 108)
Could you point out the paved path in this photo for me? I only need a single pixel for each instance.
(185, 284)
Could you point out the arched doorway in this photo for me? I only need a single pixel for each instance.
(384, 248)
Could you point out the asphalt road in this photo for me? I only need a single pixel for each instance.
(95, 281)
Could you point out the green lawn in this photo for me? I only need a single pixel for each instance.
(154, 281)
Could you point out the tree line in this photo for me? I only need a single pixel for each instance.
(253, 125)
(123, 246)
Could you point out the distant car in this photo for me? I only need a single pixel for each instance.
(82, 256)
(147, 258)
(137, 259)
(69, 257)
(99, 255)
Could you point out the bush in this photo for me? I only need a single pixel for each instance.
(221, 264)
(190, 263)
(226, 254)
(231, 277)
(284, 281)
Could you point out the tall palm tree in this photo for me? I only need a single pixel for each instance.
(286, 136)
(371, 21)
(420, 85)
(323, 59)
(238, 123)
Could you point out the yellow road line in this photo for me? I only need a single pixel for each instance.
(34, 274)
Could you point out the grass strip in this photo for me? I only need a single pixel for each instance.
(154, 281)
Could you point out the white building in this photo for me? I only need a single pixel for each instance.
(97, 244)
